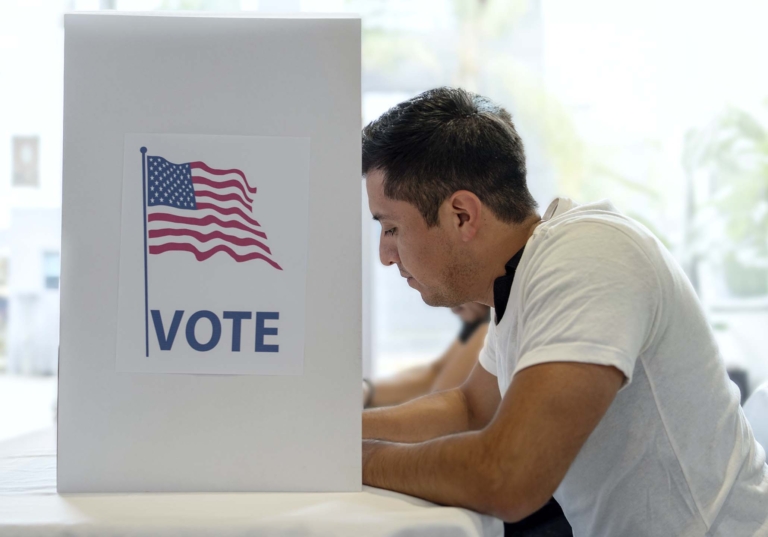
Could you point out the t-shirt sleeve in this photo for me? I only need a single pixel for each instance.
(487, 357)
(592, 296)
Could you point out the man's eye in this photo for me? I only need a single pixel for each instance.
(390, 231)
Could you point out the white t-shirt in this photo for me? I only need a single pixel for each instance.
(674, 454)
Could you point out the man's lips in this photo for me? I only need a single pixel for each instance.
(408, 277)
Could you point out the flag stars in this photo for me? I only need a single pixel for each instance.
(170, 184)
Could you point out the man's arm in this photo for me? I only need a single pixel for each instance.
(468, 407)
(513, 466)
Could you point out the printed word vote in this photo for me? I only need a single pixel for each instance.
(166, 339)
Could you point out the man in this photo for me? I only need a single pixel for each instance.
(600, 381)
(448, 371)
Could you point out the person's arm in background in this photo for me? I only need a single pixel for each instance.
(469, 407)
(456, 370)
(415, 381)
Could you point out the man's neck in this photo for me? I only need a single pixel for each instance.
(503, 243)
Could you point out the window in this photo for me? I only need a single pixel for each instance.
(25, 161)
(3, 312)
(3, 274)
(51, 269)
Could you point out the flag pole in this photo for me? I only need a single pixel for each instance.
(144, 204)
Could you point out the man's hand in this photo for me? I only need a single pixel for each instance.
(511, 467)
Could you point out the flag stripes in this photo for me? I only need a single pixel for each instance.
(195, 208)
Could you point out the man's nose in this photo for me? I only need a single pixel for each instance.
(388, 252)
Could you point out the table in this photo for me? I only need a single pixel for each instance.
(30, 505)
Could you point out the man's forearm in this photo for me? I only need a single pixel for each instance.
(427, 417)
(457, 470)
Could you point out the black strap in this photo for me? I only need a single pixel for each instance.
(502, 286)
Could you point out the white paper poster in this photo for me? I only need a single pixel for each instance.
(213, 254)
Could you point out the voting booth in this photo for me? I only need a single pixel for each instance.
(211, 262)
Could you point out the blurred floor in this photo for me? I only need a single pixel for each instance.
(26, 404)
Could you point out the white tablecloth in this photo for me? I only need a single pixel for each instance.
(29, 505)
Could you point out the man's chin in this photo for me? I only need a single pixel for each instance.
(434, 298)
(437, 300)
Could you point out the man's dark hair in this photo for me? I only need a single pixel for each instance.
(446, 140)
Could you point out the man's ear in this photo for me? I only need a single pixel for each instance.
(465, 211)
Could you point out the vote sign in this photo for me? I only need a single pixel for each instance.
(213, 254)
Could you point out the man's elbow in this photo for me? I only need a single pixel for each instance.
(511, 508)
(508, 492)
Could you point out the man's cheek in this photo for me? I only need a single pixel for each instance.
(409, 261)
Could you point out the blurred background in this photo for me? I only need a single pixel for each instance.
(660, 106)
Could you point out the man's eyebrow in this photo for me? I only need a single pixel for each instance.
(379, 217)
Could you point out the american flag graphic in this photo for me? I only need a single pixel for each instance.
(194, 208)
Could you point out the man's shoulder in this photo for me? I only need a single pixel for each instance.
(568, 213)
(598, 222)
(594, 239)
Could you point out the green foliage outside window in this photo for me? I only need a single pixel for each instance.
(732, 153)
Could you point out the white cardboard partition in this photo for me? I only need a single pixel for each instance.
(211, 292)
